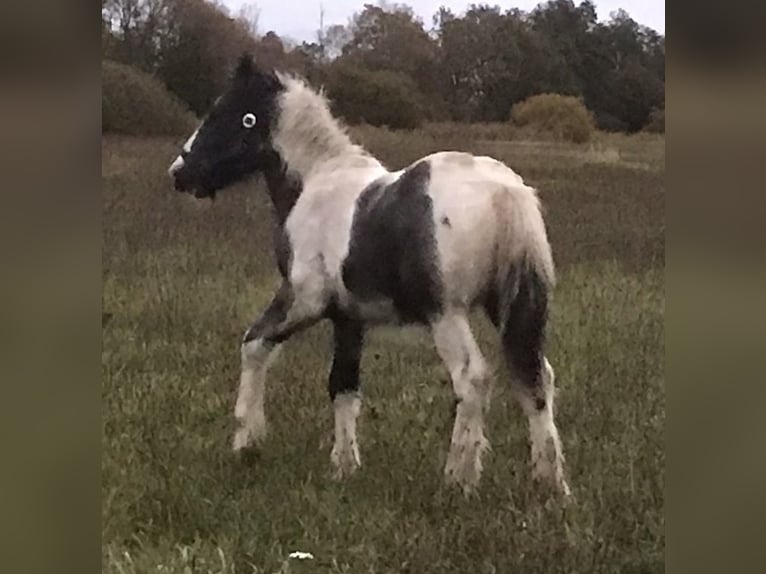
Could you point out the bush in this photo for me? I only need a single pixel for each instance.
(135, 103)
(610, 123)
(656, 123)
(375, 97)
(564, 117)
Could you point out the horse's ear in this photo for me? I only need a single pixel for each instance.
(245, 66)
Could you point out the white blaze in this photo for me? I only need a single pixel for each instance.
(176, 165)
(179, 161)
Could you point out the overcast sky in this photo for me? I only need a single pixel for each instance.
(299, 19)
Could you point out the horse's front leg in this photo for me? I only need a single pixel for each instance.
(344, 393)
(284, 316)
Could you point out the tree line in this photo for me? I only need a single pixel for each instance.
(387, 67)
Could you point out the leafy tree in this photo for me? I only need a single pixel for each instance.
(333, 40)
(482, 58)
(469, 67)
(249, 16)
(634, 79)
(390, 37)
(376, 97)
(198, 49)
(270, 51)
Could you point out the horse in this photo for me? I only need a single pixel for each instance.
(361, 245)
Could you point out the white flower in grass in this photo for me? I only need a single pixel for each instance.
(298, 555)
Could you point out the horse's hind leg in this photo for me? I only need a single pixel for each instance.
(461, 355)
(522, 325)
(535, 393)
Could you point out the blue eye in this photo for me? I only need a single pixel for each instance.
(248, 120)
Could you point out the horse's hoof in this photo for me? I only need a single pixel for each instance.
(468, 483)
(246, 445)
(248, 456)
(344, 462)
(464, 464)
(555, 485)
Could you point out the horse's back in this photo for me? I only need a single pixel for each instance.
(478, 203)
(468, 166)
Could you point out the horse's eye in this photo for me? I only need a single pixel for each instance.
(248, 120)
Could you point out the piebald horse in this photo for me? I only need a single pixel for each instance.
(361, 245)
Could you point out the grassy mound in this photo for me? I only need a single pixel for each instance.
(135, 103)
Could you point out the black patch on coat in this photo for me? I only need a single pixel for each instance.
(267, 325)
(392, 252)
(285, 187)
(284, 190)
(349, 337)
(283, 251)
(273, 326)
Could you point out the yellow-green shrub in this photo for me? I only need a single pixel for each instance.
(565, 118)
(135, 103)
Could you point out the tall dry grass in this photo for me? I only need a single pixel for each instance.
(183, 279)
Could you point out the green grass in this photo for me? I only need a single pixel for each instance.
(182, 282)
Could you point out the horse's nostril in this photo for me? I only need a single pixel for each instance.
(178, 183)
(180, 177)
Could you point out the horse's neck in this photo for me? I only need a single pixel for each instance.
(301, 157)
(307, 137)
(308, 154)
(308, 143)
(286, 184)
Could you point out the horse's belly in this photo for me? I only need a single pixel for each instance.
(377, 311)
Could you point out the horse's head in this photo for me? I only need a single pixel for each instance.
(234, 140)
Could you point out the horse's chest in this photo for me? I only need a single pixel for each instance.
(318, 231)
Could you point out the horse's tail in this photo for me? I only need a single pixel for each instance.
(524, 282)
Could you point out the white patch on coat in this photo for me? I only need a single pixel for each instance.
(176, 165)
(179, 161)
(486, 220)
(345, 452)
(190, 142)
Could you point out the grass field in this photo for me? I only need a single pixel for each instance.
(183, 280)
